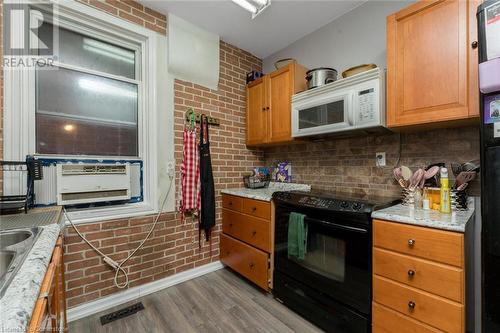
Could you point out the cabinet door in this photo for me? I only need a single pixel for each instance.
(256, 112)
(432, 67)
(280, 103)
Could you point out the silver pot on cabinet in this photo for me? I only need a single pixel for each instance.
(320, 76)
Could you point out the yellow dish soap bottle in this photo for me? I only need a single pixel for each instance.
(445, 192)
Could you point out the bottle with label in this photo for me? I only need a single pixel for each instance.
(445, 192)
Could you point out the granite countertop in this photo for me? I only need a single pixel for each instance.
(18, 301)
(266, 194)
(456, 221)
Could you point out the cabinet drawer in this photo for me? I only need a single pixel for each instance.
(385, 320)
(232, 202)
(244, 259)
(439, 279)
(435, 245)
(433, 310)
(251, 230)
(257, 208)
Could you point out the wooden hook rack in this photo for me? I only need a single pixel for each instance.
(211, 120)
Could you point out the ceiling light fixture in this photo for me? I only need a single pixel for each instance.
(255, 6)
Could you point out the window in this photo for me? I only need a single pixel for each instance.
(88, 104)
(110, 99)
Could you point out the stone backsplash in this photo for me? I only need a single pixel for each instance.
(349, 164)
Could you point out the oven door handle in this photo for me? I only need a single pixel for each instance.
(338, 226)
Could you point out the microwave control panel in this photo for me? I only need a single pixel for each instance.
(366, 105)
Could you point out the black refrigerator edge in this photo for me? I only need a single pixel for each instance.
(488, 17)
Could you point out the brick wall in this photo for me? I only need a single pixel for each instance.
(349, 164)
(173, 247)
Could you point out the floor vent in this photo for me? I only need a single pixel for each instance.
(122, 313)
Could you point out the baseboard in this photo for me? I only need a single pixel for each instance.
(101, 304)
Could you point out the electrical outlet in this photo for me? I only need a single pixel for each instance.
(170, 168)
(380, 159)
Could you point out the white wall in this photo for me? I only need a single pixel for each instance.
(355, 38)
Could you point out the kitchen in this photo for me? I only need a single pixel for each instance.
(124, 176)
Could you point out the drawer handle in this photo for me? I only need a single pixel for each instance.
(254, 233)
(254, 209)
(230, 203)
(411, 273)
(411, 242)
(251, 265)
(411, 305)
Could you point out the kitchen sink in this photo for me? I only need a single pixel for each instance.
(8, 238)
(14, 247)
(6, 258)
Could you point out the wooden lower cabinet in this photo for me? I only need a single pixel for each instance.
(245, 259)
(246, 243)
(49, 313)
(386, 320)
(418, 279)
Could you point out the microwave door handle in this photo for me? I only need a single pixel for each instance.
(349, 109)
(335, 225)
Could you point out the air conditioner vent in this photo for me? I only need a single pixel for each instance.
(90, 183)
(85, 169)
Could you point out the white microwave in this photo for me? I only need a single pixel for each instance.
(354, 104)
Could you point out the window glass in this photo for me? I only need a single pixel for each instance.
(83, 51)
(84, 114)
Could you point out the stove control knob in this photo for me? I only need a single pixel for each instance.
(344, 204)
(356, 206)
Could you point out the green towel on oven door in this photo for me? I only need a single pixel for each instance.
(297, 236)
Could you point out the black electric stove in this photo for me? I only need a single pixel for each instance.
(331, 285)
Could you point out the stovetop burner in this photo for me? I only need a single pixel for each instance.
(336, 200)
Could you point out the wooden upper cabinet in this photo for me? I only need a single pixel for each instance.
(271, 111)
(256, 112)
(431, 64)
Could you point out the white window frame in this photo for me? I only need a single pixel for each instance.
(157, 156)
(68, 24)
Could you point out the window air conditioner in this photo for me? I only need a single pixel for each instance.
(89, 183)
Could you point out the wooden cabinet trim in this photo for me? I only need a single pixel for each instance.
(52, 294)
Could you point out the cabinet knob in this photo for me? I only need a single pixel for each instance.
(263, 109)
(411, 242)
(411, 273)
(267, 108)
(411, 305)
(251, 265)
(474, 44)
(254, 233)
(230, 225)
(254, 209)
(230, 203)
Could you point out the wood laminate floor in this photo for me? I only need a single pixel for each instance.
(216, 302)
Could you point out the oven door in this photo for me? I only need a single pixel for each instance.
(337, 262)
